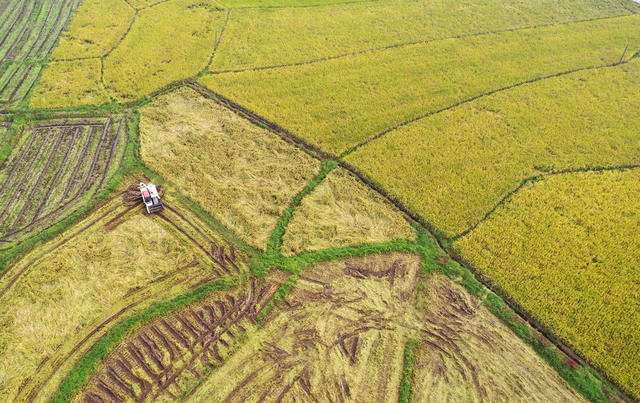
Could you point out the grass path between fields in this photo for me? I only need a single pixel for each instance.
(586, 380)
(434, 260)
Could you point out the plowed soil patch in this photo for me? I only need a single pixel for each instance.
(53, 170)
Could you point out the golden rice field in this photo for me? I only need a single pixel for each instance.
(474, 154)
(343, 211)
(239, 173)
(363, 200)
(573, 279)
(95, 30)
(348, 100)
(253, 37)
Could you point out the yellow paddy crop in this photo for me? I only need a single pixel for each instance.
(78, 80)
(168, 42)
(96, 28)
(259, 37)
(566, 250)
(453, 167)
(338, 103)
(342, 211)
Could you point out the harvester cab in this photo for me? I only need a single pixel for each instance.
(150, 197)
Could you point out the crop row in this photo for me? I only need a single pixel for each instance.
(54, 168)
(29, 30)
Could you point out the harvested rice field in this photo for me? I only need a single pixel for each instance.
(109, 266)
(29, 30)
(241, 174)
(319, 200)
(55, 167)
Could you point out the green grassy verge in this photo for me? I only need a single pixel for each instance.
(581, 378)
(81, 373)
(274, 244)
(406, 383)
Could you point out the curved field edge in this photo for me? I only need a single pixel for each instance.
(434, 260)
(297, 263)
(343, 211)
(239, 172)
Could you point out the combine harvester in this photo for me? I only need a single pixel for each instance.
(150, 198)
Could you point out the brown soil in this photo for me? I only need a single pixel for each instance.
(167, 354)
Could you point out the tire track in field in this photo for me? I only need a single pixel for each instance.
(196, 333)
(17, 163)
(222, 268)
(18, 190)
(60, 171)
(41, 177)
(56, 30)
(19, 14)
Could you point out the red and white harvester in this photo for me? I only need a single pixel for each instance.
(150, 197)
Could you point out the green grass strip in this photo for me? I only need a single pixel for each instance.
(274, 244)
(282, 292)
(406, 384)
(81, 373)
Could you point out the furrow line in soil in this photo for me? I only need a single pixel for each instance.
(17, 163)
(25, 178)
(41, 177)
(62, 169)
